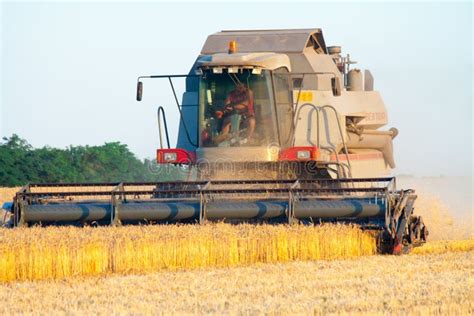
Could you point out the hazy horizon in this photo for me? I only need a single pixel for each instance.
(69, 70)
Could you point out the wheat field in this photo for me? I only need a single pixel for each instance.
(39, 253)
(233, 269)
(57, 252)
(441, 284)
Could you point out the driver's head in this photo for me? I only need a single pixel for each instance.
(239, 94)
(241, 87)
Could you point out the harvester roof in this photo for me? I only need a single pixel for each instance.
(277, 41)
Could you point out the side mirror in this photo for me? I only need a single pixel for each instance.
(336, 86)
(139, 90)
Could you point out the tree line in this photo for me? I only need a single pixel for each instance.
(20, 164)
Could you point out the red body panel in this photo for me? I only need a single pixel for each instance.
(182, 156)
(291, 154)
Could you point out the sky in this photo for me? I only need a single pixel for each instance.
(68, 70)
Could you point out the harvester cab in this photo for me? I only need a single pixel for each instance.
(277, 104)
(276, 127)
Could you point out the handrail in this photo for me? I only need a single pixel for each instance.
(302, 76)
(340, 132)
(318, 109)
(175, 98)
(161, 111)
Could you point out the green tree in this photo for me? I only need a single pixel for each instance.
(20, 163)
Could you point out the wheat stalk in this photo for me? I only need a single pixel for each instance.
(58, 252)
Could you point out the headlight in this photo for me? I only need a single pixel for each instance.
(170, 156)
(217, 70)
(303, 154)
(233, 70)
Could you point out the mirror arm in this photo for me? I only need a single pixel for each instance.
(140, 82)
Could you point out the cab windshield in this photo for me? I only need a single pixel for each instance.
(237, 109)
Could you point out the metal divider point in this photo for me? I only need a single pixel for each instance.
(115, 204)
(291, 200)
(202, 203)
(18, 209)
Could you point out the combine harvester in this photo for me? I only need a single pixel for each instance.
(274, 126)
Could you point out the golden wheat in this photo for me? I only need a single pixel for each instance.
(443, 246)
(375, 285)
(58, 252)
(7, 194)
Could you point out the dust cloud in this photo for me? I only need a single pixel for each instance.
(445, 203)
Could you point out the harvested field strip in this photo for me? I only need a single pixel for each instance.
(58, 252)
(373, 285)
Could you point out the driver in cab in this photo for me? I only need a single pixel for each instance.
(239, 101)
